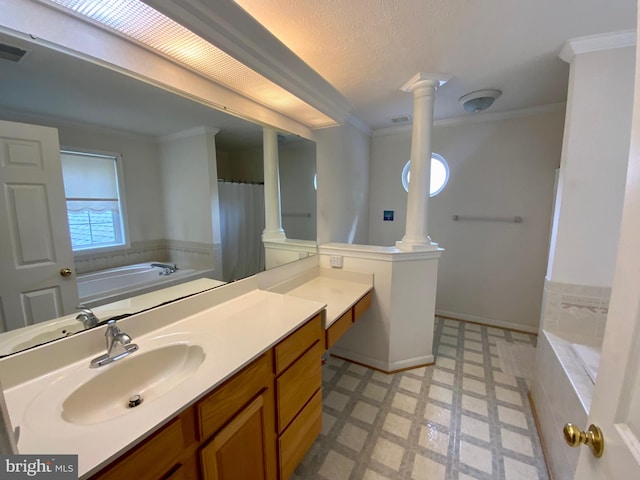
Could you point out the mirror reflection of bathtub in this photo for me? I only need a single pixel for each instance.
(33, 335)
(113, 284)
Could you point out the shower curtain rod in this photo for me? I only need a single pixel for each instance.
(222, 180)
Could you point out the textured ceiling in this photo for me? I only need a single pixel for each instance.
(368, 49)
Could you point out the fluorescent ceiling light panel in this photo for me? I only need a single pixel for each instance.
(138, 21)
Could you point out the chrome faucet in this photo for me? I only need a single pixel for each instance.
(118, 346)
(166, 268)
(87, 317)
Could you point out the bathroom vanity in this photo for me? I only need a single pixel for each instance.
(231, 390)
(260, 421)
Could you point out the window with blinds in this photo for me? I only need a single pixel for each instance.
(94, 206)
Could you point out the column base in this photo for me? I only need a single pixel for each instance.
(409, 246)
(274, 236)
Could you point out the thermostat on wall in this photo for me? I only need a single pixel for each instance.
(388, 216)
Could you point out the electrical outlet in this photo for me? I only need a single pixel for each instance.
(336, 261)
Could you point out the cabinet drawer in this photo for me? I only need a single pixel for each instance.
(288, 350)
(296, 385)
(151, 459)
(294, 443)
(339, 327)
(228, 399)
(362, 306)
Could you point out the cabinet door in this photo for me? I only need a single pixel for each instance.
(239, 450)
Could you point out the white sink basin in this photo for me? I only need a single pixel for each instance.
(27, 337)
(148, 374)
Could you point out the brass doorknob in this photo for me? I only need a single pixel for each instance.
(66, 272)
(593, 438)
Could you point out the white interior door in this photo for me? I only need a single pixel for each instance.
(616, 403)
(34, 235)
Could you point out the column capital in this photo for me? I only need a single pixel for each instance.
(434, 80)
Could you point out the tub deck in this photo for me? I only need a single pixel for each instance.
(114, 284)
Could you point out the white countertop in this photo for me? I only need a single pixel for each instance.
(338, 295)
(336, 288)
(232, 334)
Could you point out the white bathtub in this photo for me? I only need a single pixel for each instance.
(589, 357)
(105, 286)
(562, 391)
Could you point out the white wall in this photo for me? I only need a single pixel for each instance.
(593, 171)
(490, 271)
(297, 165)
(342, 155)
(186, 186)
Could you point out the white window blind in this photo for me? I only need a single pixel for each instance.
(93, 200)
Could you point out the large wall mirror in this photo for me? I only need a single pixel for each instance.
(158, 196)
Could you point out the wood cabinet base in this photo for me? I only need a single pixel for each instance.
(297, 440)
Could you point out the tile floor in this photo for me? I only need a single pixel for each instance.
(461, 419)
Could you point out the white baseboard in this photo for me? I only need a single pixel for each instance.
(381, 365)
(412, 363)
(488, 321)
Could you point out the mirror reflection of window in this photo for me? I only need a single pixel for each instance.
(94, 205)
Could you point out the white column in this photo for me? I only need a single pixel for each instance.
(273, 231)
(423, 86)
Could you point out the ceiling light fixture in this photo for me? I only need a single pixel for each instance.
(143, 24)
(479, 100)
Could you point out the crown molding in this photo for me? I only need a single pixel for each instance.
(359, 124)
(477, 118)
(596, 43)
(227, 26)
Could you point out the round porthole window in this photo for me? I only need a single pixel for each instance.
(439, 175)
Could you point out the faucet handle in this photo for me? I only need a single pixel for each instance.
(87, 317)
(111, 325)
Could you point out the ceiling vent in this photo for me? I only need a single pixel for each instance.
(401, 119)
(13, 54)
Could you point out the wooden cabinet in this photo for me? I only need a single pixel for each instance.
(362, 305)
(178, 473)
(236, 422)
(298, 393)
(339, 328)
(224, 402)
(257, 425)
(348, 318)
(228, 435)
(297, 385)
(294, 443)
(240, 450)
(155, 458)
(292, 347)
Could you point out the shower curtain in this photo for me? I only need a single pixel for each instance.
(242, 223)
